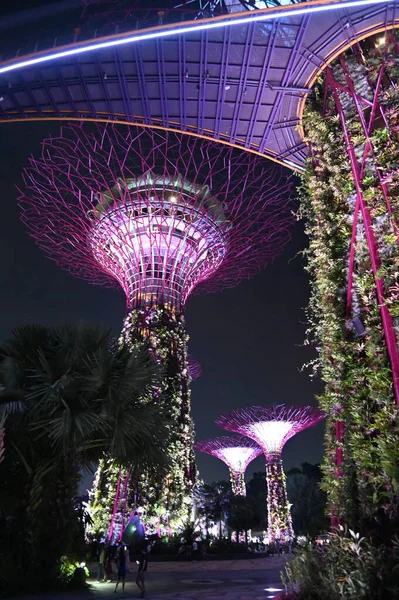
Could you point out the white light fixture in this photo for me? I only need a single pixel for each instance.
(255, 16)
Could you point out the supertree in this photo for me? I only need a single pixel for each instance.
(271, 427)
(159, 215)
(237, 452)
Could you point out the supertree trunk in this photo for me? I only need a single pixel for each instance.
(164, 332)
(279, 514)
(352, 220)
(237, 483)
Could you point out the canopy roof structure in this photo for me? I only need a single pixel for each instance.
(239, 77)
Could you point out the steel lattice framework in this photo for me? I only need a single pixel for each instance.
(240, 77)
(236, 452)
(271, 427)
(155, 214)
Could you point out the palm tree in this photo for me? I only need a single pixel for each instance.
(83, 399)
(216, 502)
(10, 402)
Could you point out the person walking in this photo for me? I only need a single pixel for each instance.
(121, 560)
(108, 564)
(143, 563)
(101, 563)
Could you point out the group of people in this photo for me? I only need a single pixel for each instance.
(108, 556)
(194, 551)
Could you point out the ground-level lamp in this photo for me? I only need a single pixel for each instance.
(236, 452)
(271, 427)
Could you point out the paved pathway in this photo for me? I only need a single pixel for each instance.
(252, 579)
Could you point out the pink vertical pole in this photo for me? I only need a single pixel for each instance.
(115, 509)
(125, 493)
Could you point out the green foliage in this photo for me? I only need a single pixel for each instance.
(307, 499)
(242, 515)
(214, 504)
(67, 569)
(257, 492)
(347, 568)
(356, 371)
(82, 398)
(163, 332)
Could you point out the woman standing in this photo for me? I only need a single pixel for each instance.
(121, 563)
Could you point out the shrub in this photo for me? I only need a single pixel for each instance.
(347, 568)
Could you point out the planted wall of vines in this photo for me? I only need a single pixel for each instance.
(352, 356)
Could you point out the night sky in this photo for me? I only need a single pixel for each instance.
(248, 340)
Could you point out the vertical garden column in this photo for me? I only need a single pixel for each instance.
(237, 483)
(164, 331)
(278, 507)
(350, 204)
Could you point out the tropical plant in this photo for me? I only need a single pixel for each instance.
(347, 568)
(216, 501)
(242, 515)
(10, 402)
(84, 398)
(307, 499)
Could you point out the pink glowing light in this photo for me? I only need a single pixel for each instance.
(270, 426)
(155, 212)
(237, 452)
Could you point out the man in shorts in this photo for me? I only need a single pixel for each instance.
(142, 562)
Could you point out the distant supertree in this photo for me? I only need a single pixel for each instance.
(158, 214)
(194, 367)
(271, 427)
(237, 452)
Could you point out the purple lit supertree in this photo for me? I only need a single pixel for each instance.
(157, 214)
(194, 367)
(237, 452)
(271, 427)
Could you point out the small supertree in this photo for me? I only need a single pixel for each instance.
(236, 452)
(271, 427)
(158, 214)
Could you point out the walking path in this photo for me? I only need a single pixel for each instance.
(252, 579)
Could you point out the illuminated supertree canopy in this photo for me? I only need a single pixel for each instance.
(158, 215)
(236, 452)
(271, 427)
(154, 212)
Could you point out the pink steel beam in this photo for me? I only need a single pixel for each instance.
(115, 508)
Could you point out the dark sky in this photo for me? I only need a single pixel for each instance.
(247, 339)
